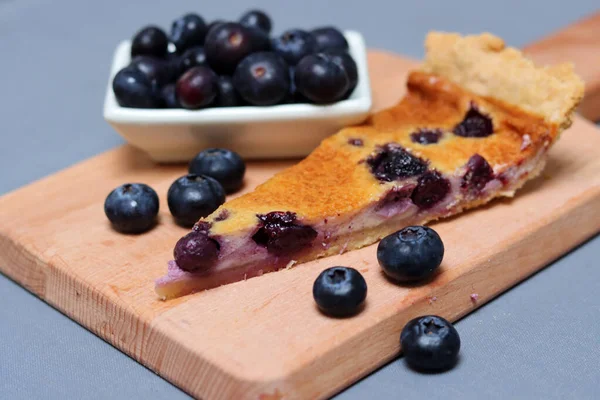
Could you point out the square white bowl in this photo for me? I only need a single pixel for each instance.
(281, 131)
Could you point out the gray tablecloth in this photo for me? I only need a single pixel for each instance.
(540, 340)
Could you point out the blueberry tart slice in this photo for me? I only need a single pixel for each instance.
(477, 123)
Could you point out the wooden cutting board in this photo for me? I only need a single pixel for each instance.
(264, 338)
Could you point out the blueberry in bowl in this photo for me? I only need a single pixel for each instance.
(150, 41)
(229, 43)
(294, 44)
(132, 208)
(257, 19)
(340, 291)
(188, 31)
(346, 61)
(226, 166)
(321, 79)
(155, 69)
(192, 197)
(227, 95)
(430, 343)
(411, 254)
(262, 79)
(169, 96)
(132, 88)
(192, 57)
(197, 88)
(330, 38)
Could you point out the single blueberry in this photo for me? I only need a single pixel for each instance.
(197, 88)
(155, 69)
(262, 79)
(293, 45)
(196, 252)
(411, 254)
(340, 291)
(430, 343)
(132, 208)
(478, 174)
(133, 89)
(392, 162)
(227, 96)
(169, 96)
(474, 124)
(330, 38)
(229, 43)
(213, 24)
(431, 188)
(281, 234)
(149, 41)
(257, 19)
(320, 79)
(192, 197)
(426, 136)
(188, 31)
(226, 166)
(347, 62)
(193, 57)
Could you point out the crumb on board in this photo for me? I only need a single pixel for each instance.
(432, 299)
(290, 264)
(474, 297)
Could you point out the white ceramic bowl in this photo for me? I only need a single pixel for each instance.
(282, 131)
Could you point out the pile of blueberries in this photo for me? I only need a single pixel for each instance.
(229, 64)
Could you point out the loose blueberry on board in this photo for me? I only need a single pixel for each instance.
(188, 31)
(133, 89)
(392, 162)
(340, 291)
(262, 79)
(132, 208)
(430, 343)
(229, 43)
(149, 41)
(227, 96)
(330, 38)
(197, 88)
(281, 234)
(293, 45)
(192, 197)
(431, 188)
(320, 79)
(257, 19)
(411, 254)
(155, 69)
(169, 96)
(475, 124)
(193, 57)
(347, 62)
(196, 252)
(226, 166)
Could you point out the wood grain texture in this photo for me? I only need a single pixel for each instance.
(578, 43)
(264, 338)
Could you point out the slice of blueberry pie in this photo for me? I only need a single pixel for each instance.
(477, 123)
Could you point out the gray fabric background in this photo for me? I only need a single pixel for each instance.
(540, 340)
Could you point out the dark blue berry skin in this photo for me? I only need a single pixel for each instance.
(293, 45)
(132, 208)
(257, 19)
(197, 88)
(411, 254)
(430, 343)
(196, 252)
(188, 31)
(262, 79)
(193, 57)
(170, 96)
(229, 43)
(227, 96)
(192, 197)
(155, 69)
(133, 89)
(149, 41)
(347, 62)
(330, 38)
(226, 166)
(340, 291)
(320, 79)
(213, 24)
